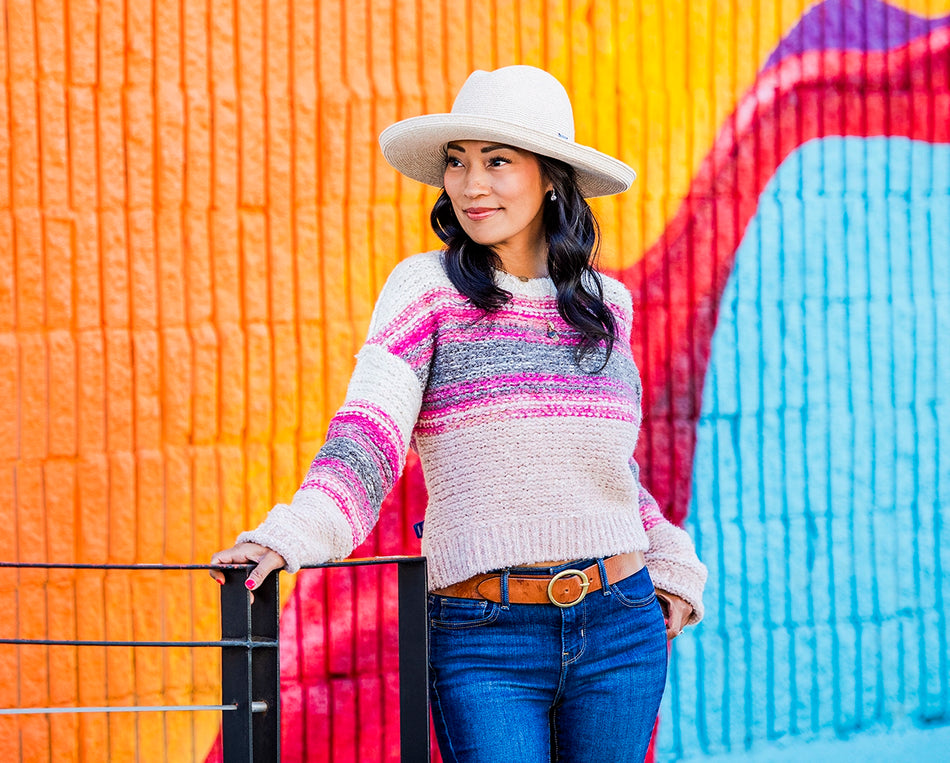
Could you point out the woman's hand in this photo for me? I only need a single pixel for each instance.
(676, 612)
(267, 561)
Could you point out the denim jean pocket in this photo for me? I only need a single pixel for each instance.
(635, 591)
(453, 614)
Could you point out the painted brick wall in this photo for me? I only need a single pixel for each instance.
(194, 223)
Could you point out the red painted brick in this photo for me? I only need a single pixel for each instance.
(62, 396)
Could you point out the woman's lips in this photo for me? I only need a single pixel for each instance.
(480, 213)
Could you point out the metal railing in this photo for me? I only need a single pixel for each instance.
(250, 658)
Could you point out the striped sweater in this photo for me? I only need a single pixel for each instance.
(527, 458)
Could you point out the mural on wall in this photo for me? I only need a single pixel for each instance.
(195, 220)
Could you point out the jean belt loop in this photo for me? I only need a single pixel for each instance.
(504, 589)
(604, 583)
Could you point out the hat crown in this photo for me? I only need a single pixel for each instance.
(519, 95)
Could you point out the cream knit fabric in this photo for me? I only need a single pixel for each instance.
(527, 458)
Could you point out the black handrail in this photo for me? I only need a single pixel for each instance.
(250, 658)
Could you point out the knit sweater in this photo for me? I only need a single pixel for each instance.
(527, 457)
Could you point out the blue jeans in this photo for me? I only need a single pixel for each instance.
(532, 682)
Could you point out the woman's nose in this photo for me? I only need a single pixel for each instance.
(476, 184)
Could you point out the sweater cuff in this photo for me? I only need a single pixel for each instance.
(684, 580)
(309, 530)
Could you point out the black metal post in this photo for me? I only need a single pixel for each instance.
(250, 673)
(413, 662)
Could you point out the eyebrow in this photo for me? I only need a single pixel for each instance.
(485, 149)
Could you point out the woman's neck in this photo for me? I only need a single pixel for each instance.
(525, 264)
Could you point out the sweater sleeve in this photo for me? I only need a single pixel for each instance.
(338, 503)
(671, 558)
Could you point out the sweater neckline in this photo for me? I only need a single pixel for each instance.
(532, 287)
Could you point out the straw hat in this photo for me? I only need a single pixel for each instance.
(520, 106)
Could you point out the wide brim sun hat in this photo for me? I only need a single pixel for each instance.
(520, 106)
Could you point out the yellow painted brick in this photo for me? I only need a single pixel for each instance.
(92, 509)
(119, 400)
(232, 382)
(254, 265)
(204, 400)
(147, 387)
(121, 514)
(150, 507)
(63, 392)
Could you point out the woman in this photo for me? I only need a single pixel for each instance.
(505, 360)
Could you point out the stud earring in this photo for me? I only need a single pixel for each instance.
(553, 195)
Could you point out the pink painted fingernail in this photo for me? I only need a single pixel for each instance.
(219, 582)
(249, 584)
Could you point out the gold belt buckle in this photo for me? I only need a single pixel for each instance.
(585, 584)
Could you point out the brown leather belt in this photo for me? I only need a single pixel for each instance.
(564, 589)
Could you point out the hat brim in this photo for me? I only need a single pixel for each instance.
(415, 147)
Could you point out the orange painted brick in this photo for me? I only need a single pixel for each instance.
(355, 70)
(62, 394)
(329, 45)
(167, 31)
(88, 289)
(233, 497)
(177, 386)
(5, 142)
(204, 396)
(362, 151)
(91, 393)
(362, 296)
(59, 482)
(309, 277)
(254, 271)
(30, 283)
(91, 671)
(140, 145)
(333, 144)
(63, 727)
(21, 31)
(119, 390)
(111, 44)
(142, 254)
(226, 150)
(286, 382)
(120, 518)
(197, 256)
(150, 507)
(51, 39)
(257, 484)
(226, 267)
(286, 477)
(197, 139)
(195, 42)
(179, 524)
(82, 31)
(312, 382)
(30, 523)
(171, 144)
(139, 45)
(115, 269)
(147, 386)
(54, 145)
(82, 148)
(92, 509)
(25, 145)
(281, 276)
(171, 267)
(232, 375)
(111, 155)
(260, 421)
(205, 504)
(34, 397)
(58, 237)
(9, 414)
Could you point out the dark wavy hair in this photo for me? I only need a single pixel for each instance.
(573, 239)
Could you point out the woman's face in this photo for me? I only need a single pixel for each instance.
(497, 192)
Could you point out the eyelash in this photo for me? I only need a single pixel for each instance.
(495, 161)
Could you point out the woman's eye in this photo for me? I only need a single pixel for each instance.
(498, 161)
(452, 162)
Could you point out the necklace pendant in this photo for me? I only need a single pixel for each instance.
(552, 332)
